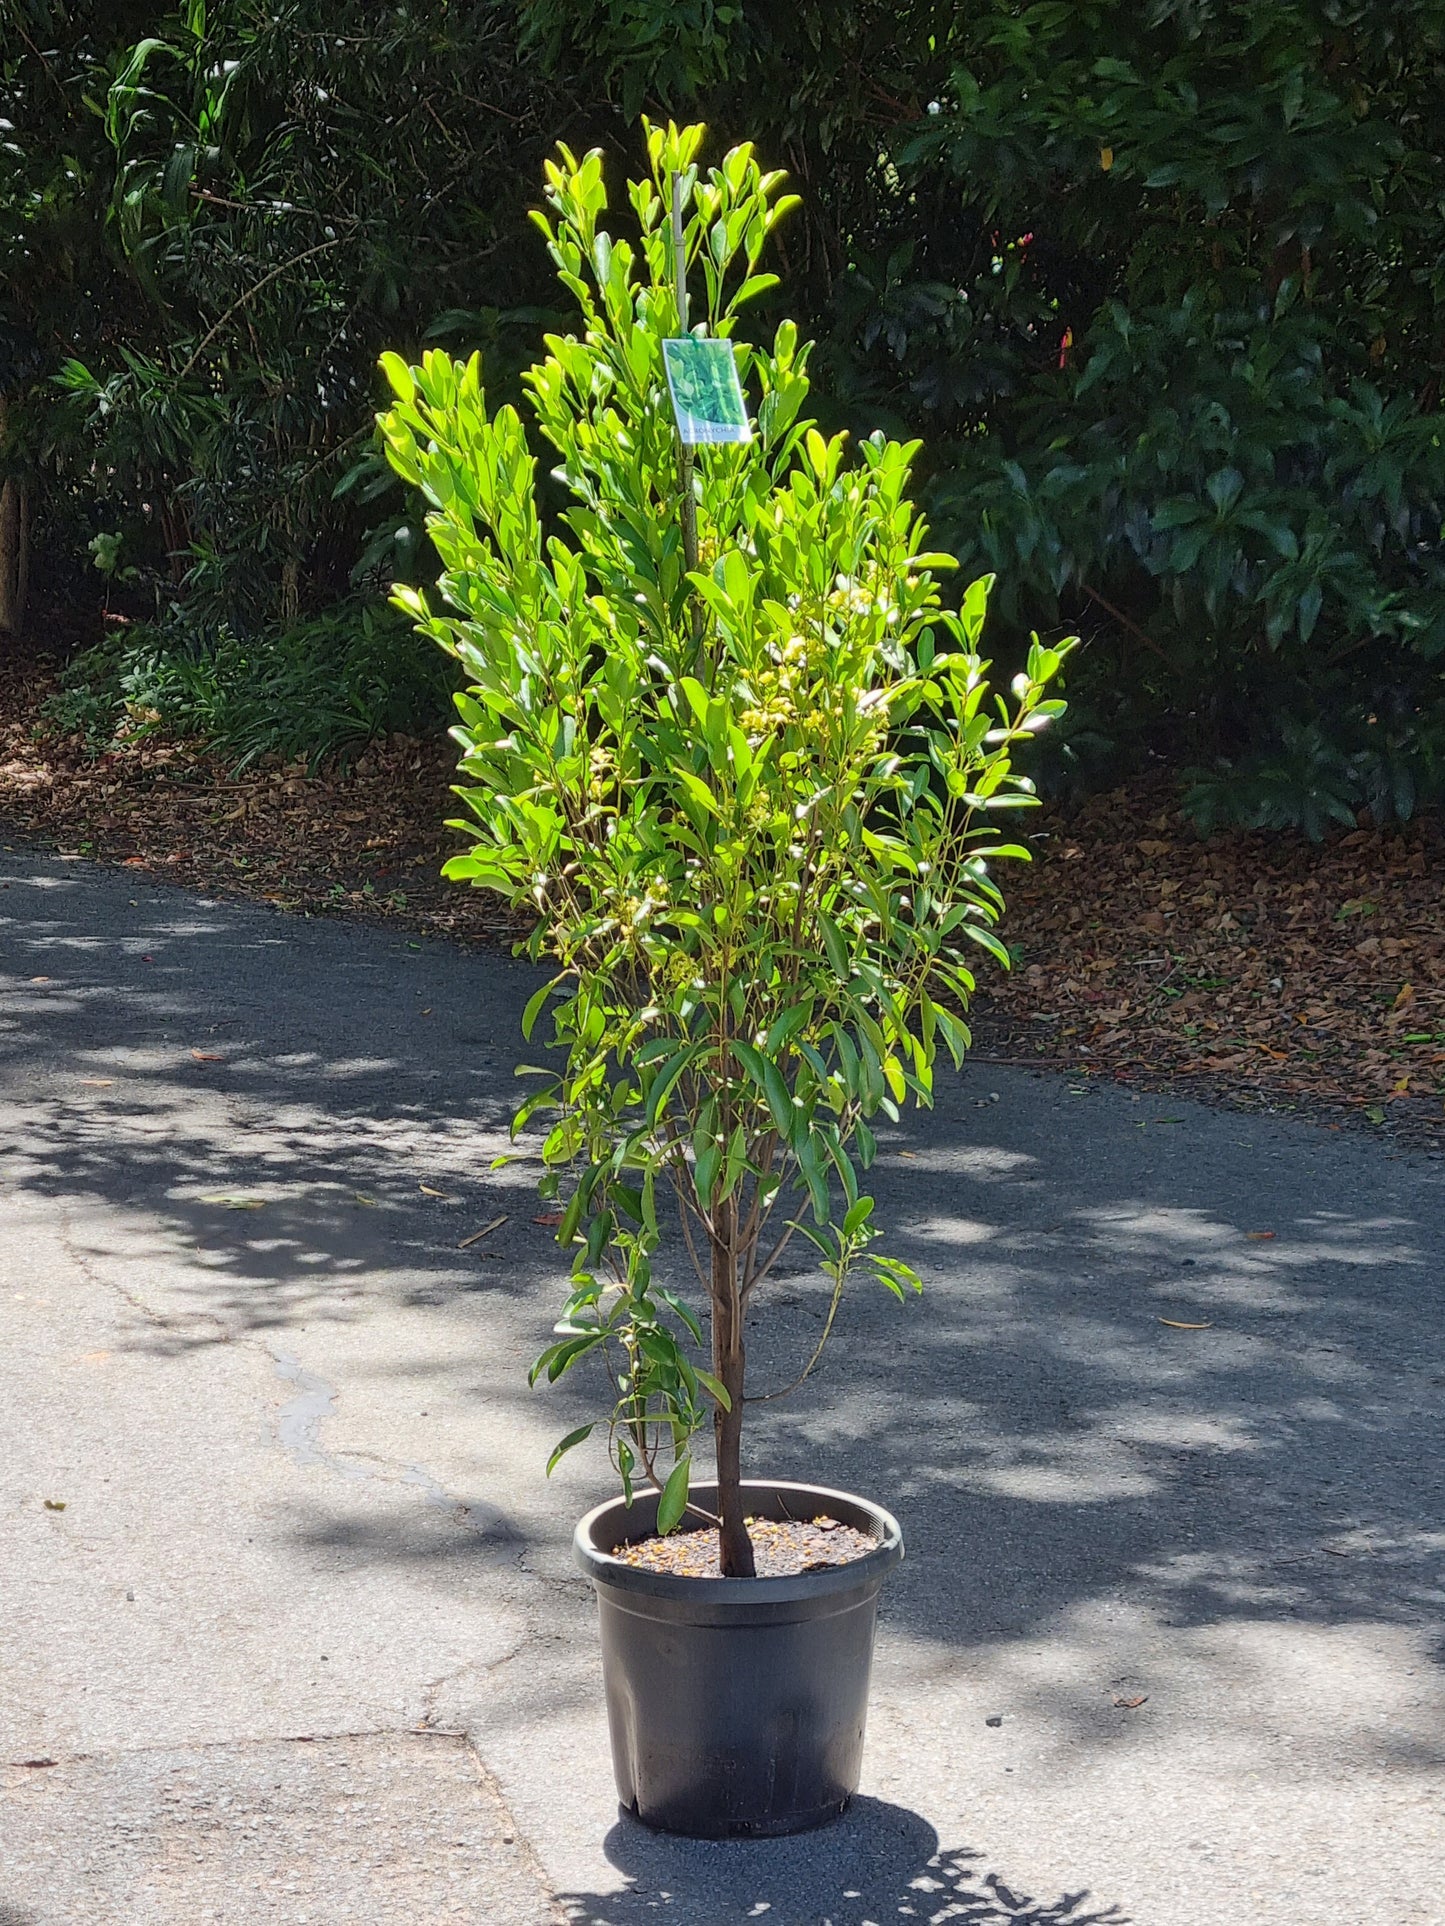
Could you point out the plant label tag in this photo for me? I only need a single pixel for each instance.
(707, 397)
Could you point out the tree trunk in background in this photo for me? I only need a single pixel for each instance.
(14, 554)
(14, 540)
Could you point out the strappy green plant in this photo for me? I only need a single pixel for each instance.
(747, 793)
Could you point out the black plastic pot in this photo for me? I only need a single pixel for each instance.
(737, 1705)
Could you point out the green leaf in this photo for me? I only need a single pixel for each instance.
(857, 1216)
(716, 1388)
(673, 1502)
(897, 1275)
(398, 373)
(558, 1358)
(810, 1164)
(695, 787)
(573, 1438)
(535, 1006)
(705, 1173)
(666, 1080)
(676, 1304)
(986, 940)
(834, 945)
(785, 1027)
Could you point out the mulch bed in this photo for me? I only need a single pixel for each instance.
(1256, 971)
(782, 1548)
(366, 840)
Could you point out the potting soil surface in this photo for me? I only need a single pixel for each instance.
(782, 1548)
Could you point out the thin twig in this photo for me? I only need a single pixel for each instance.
(772, 1257)
(1130, 624)
(495, 1224)
(321, 247)
(766, 1397)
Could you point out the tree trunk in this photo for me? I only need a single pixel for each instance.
(735, 1548)
(14, 554)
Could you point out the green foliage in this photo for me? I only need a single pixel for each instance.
(281, 199)
(1312, 778)
(325, 687)
(213, 217)
(1162, 284)
(747, 792)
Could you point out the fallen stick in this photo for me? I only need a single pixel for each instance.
(476, 1235)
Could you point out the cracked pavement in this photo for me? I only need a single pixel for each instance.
(288, 1605)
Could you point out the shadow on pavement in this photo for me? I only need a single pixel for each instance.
(878, 1863)
(1167, 1355)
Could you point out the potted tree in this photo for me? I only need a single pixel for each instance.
(725, 744)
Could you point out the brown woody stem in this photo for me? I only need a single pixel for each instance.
(735, 1548)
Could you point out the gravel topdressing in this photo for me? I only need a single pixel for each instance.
(782, 1548)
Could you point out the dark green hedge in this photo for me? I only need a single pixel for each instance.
(1159, 283)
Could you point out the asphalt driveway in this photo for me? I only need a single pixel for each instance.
(288, 1612)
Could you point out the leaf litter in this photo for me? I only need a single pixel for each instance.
(1260, 971)
(1255, 970)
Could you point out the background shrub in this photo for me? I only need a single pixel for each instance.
(1159, 283)
(324, 687)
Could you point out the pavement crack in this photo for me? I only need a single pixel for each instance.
(299, 1421)
(93, 1273)
(298, 1431)
(514, 1836)
(61, 1760)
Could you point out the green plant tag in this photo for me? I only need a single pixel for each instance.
(707, 397)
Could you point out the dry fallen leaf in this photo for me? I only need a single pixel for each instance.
(40, 979)
(495, 1224)
(1260, 992)
(550, 1218)
(427, 1191)
(1260, 1237)
(1175, 1325)
(98, 1083)
(1132, 1705)
(207, 1056)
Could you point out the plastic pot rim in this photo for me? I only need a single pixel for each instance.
(640, 1520)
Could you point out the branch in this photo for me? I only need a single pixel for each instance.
(767, 1397)
(1128, 623)
(243, 300)
(772, 1257)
